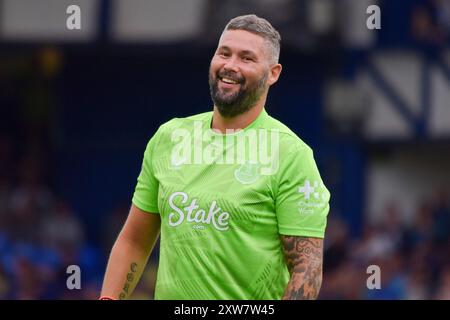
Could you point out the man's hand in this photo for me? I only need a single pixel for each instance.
(304, 261)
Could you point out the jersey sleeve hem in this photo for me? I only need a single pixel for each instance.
(144, 207)
(302, 232)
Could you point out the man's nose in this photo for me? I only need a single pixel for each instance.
(231, 64)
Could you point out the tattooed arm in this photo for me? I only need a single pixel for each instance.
(304, 261)
(130, 253)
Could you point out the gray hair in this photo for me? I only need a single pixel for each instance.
(261, 27)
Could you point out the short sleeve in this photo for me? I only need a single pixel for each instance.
(302, 200)
(145, 195)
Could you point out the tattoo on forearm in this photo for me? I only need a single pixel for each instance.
(304, 261)
(130, 277)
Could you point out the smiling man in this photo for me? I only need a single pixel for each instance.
(234, 194)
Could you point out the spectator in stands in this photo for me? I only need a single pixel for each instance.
(61, 229)
(443, 289)
(430, 22)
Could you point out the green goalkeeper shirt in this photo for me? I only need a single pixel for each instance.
(224, 201)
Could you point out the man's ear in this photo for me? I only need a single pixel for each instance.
(274, 74)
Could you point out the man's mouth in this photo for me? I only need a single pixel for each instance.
(228, 80)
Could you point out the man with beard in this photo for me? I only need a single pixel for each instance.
(233, 225)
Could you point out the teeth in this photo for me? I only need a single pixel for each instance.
(226, 80)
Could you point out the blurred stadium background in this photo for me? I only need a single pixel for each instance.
(78, 107)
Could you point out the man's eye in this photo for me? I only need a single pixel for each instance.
(224, 54)
(247, 59)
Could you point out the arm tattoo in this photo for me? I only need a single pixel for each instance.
(131, 275)
(304, 261)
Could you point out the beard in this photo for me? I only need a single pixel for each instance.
(233, 104)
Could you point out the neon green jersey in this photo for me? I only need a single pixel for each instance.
(224, 201)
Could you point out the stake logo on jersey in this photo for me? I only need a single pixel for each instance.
(314, 196)
(195, 215)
